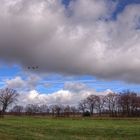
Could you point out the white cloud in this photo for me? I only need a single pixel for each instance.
(15, 83)
(70, 94)
(75, 87)
(63, 96)
(30, 83)
(91, 10)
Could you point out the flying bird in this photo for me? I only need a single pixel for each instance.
(33, 67)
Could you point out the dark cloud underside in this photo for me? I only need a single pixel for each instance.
(76, 40)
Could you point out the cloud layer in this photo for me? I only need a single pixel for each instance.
(82, 39)
(71, 94)
(19, 84)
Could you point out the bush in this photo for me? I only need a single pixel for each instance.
(86, 114)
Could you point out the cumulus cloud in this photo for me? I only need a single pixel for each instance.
(91, 9)
(77, 40)
(19, 83)
(69, 95)
(75, 87)
(15, 83)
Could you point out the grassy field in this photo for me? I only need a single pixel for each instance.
(39, 128)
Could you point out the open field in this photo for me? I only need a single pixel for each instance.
(39, 128)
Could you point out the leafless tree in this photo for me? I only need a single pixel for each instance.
(111, 103)
(82, 106)
(17, 109)
(7, 97)
(67, 110)
(58, 109)
(92, 101)
(100, 102)
(52, 109)
(32, 109)
(74, 110)
(44, 109)
(128, 102)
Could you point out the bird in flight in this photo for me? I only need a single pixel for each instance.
(33, 67)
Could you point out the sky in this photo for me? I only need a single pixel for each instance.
(61, 51)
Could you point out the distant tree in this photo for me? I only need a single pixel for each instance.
(111, 103)
(44, 109)
(52, 109)
(58, 109)
(100, 102)
(92, 101)
(7, 97)
(32, 109)
(128, 102)
(17, 110)
(67, 110)
(82, 106)
(74, 110)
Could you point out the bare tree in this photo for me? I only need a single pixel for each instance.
(67, 110)
(52, 110)
(92, 101)
(17, 110)
(128, 102)
(32, 109)
(7, 97)
(58, 109)
(44, 109)
(74, 110)
(82, 106)
(100, 102)
(111, 103)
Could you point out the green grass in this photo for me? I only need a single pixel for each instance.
(39, 128)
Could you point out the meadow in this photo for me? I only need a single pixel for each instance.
(43, 128)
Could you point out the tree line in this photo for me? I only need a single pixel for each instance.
(122, 104)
